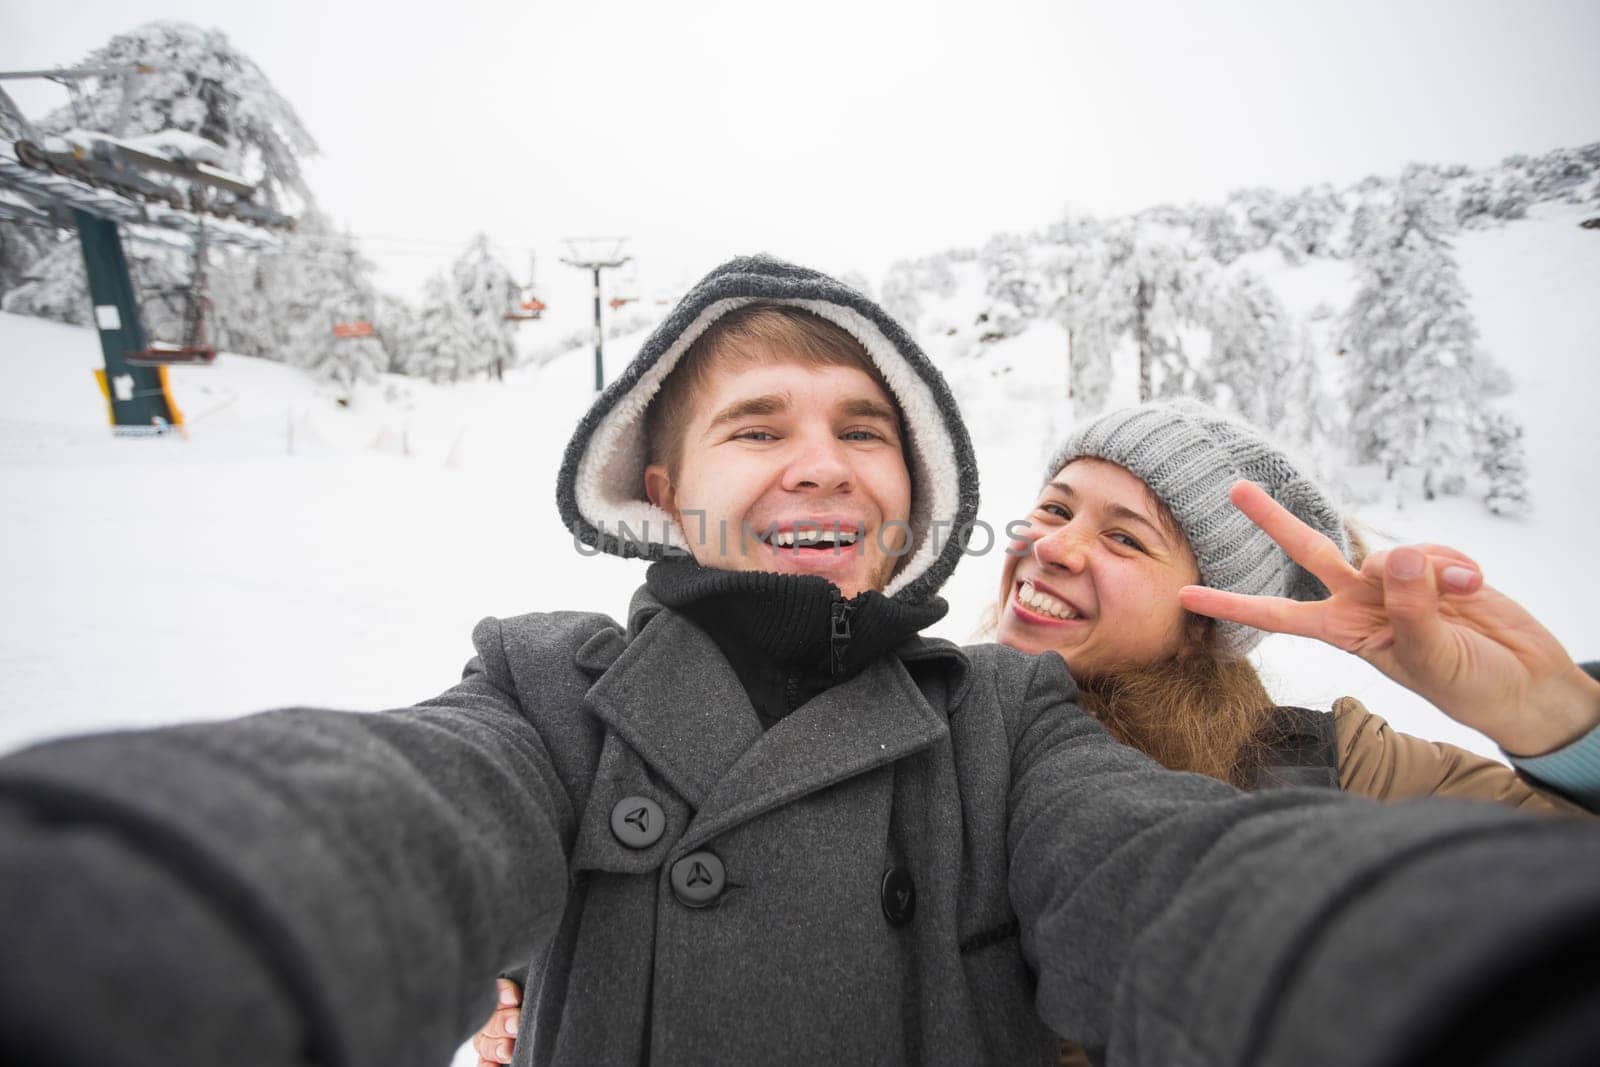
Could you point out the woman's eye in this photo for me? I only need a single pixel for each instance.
(1057, 510)
(1129, 540)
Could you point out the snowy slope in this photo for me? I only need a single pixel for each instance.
(293, 551)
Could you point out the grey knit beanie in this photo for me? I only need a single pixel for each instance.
(1190, 455)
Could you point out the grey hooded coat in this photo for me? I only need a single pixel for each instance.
(939, 860)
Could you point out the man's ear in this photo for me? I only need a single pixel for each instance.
(659, 489)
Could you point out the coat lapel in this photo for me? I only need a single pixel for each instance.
(872, 720)
(673, 697)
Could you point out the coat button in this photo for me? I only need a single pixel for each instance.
(637, 822)
(698, 878)
(898, 896)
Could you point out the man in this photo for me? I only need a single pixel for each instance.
(763, 821)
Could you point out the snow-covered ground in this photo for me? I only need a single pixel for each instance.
(291, 551)
(294, 551)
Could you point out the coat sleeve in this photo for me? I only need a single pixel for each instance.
(1172, 919)
(1378, 761)
(362, 876)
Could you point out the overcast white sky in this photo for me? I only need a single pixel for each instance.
(848, 134)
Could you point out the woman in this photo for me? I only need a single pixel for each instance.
(1135, 539)
(1167, 538)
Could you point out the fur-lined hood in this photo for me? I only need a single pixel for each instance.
(601, 485)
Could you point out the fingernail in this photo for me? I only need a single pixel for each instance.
(511, 1027)
(1457, 577)
(1405, 563)
(507, 997)
(503, 1050)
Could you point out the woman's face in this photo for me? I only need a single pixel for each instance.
(1096, 575)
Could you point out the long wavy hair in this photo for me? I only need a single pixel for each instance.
(1205, 710)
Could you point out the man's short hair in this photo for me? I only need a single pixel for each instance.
(747, 335)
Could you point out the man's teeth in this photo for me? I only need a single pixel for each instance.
(790, 538)
(1044, 603)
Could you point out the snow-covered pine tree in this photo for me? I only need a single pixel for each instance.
(1011, 284)
(1147, 289)
(200, 84)
(1411, 389)
(52, 286)
(251, 298)
(900, 297)
(484, 291)
(1311, 415)
(1504, 465)
(1249, 347)
(20, 248)
(441, 349)
(320, 280)
(396, 323)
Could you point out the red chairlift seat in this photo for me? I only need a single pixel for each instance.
(619, 302)
(530, 309)
(348, 330)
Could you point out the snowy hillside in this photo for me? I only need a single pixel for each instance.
(295, 551)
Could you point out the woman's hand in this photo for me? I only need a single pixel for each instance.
(498, 1039)
(1422, 615)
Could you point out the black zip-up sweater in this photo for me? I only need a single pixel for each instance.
(788, 637)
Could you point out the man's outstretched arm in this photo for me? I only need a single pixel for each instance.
(1172, 919)
(280, 868)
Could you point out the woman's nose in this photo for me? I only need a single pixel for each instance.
(1062, 547)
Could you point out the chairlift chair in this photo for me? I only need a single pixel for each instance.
(529, 310)
(195, 350)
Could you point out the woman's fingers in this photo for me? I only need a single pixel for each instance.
(493, 1049)
(1411, 600)
(1453, 570)
(1273, 614)
(1312, 550)
(509, 992)
(492, 1052)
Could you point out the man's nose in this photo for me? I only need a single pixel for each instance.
(819, 463)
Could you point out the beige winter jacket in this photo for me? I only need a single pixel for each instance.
(1378, 761)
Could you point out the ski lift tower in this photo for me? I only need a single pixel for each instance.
(161, 187)
(596, 254)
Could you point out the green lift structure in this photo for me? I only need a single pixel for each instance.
(97, 184)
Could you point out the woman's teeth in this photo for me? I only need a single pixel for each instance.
(1044, 603)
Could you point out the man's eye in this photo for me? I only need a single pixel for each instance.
(755, 435)
(862, 435)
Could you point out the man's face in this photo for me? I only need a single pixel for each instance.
(791, 468)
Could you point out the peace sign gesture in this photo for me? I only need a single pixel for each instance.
(1422, 615)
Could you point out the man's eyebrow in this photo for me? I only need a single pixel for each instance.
(1116, 511)
(864, 407)
(750, 407)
